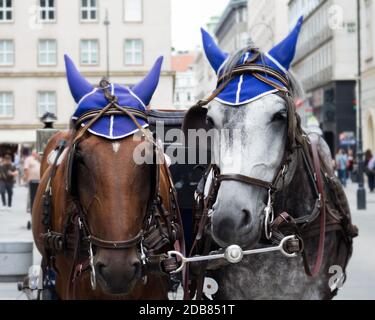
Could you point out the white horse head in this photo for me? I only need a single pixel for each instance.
(252, 118)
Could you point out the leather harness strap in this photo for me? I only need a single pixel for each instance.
(106, 244)
(245, 179)
(318, 176)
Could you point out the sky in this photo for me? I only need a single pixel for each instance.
(187, 19)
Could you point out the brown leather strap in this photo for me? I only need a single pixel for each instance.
(125, 244)
(245, 179)
(221, 87)
(112, 111)
(77, 237)
(202, 271)
(317, 168)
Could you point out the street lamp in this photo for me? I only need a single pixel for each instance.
(361, 192)
(107, 23)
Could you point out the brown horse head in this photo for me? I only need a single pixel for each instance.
(114, 193)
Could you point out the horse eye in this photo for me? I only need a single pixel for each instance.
(210, 122)
(280, 116)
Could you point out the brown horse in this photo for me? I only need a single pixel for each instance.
(99, 214)
(115, 192)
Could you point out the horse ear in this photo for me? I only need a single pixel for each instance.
(146, 88)
(215, 56)
(285, 51)
(78, 85)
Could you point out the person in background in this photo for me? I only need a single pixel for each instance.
(31, 167)
(341, 165)
(2, 181)
(8, 172)
(17, 164)
(370, 169)
(350, 164)
(31, 170)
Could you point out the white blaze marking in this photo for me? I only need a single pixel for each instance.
(116, 147)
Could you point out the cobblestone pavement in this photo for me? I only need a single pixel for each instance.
(361, 271)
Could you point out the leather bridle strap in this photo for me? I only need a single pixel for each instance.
(220, 88)
(245, 179)
(106, 244)
(112, 111)
(319, 259)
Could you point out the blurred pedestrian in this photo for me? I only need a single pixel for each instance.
(8, 172)
(31, 170)
(2, 181)
(341, 166)
(350, 164)
(370, 169)
(31, 167)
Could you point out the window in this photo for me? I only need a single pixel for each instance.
(47, 10)
(89, 10)
(133, 10)
(133, 51)
(6, 10)
(47, 52)
(6, 104)
(89, 52)
(6, 52)
(46, 102)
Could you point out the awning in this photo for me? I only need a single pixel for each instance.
(17, 136)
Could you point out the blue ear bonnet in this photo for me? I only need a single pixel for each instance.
(111, 127)
(246, 88)
(89, 99)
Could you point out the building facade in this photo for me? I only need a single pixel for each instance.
(184, 90)
(231, 30)
(205, 77)
(325, 63)
(35, 34)
(368, 73)
(267, 22)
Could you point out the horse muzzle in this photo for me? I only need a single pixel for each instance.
(117, 271)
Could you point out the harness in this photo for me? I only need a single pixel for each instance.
(284, 231)
(162, 230)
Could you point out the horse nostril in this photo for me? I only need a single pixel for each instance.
(99, 267)
(246, 217)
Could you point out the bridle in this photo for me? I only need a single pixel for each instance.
(111, 109)
(297, 142)
(161, 229)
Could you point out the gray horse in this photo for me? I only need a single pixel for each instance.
(257, 150)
